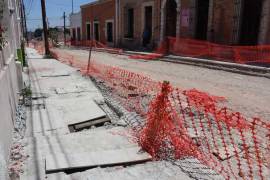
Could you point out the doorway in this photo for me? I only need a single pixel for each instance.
(78, 33)
(74, 34)
(88, 34)
(96, 31)
(250, 25)
(202, 19)
(129, 23)
(170, 18)
(148, 24)
(109, 26)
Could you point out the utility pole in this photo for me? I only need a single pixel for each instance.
(72, 6)
(45, 30)
(65, 40)
(24, 26)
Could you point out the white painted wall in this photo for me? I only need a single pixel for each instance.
(75, 20)
(8, 79)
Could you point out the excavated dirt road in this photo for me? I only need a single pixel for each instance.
(248, 94)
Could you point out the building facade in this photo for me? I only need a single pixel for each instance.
(10, 75)
(125, 23)
(75, 26)
(98, 22)
(136, 18)
(238, 22)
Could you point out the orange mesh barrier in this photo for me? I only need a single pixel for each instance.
(187, 123)
(96, 45)
(203, 49)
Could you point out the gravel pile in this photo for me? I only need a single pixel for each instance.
(17, 153)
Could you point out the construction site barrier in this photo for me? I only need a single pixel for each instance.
(187, 123)
(203, 49)
(96, 45)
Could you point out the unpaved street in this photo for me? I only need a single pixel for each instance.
(247, 94)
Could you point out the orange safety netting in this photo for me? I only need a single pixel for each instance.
(208, 50)
(96, 45)
(187, 123)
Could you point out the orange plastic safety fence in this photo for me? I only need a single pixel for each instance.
(188, 123)
(204, 49)
(97, 46)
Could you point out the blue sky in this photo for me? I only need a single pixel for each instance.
(54, 8)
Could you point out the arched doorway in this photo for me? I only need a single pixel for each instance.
(170, 18)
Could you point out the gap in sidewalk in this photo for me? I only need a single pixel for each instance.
(82, 169)
(97, 122)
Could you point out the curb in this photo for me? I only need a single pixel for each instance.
(226, 66)
(212, 64)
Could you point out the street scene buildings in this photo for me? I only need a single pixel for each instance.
(201, 20)
(134, 89)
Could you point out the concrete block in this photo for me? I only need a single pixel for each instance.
(61, 162)
(47, 120)
(87, 141)
(80, 110)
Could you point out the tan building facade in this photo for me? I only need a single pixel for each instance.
(135, 18)
(242, 22)
(124, 23)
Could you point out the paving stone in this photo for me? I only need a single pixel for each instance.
(87, 141)
(47, 120)
(60, 162)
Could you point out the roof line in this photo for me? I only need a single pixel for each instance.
(94, 3)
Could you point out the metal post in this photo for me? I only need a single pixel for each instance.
(89, 57)
(65, 28)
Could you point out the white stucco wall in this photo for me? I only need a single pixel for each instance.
(8, 79)
(75, 20)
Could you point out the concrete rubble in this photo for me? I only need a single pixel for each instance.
(50, 149)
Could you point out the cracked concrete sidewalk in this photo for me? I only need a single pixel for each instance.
(60, 93)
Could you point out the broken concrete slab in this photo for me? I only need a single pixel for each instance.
(44, 120)
(151, 171)
(80, 110)
(61, 162)
(87, 141)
